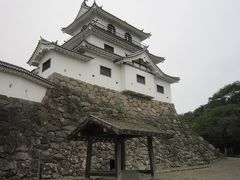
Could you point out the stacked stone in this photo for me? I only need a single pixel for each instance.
(33, 136)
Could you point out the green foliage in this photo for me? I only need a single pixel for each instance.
(219, 120)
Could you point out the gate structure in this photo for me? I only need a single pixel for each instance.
(96, 129)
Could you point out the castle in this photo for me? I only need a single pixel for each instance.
(105, 83)
(103, 50)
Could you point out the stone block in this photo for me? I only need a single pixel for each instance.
(22, 156)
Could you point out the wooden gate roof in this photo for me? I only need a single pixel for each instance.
(108, 129)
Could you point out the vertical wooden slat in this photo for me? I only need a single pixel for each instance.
(151, 155)
(88, 158)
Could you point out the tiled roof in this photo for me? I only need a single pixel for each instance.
(121, 127)
(54, 46)
(7, 67)
(85, 44)
(96, 9)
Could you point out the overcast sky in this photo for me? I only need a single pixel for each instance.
(200, 39)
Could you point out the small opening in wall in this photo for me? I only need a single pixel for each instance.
(10, 85)
(116, 82)
(93, 75)
(65, 70)
(160, 89)
(112, 164)
(141, 79)
(109, 48)
(80, 74)
(46, 65)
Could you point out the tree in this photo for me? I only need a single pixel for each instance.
(219, 120)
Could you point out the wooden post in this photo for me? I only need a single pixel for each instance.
(118, 161)
(88, 159)
(151, 155)
(123, 158)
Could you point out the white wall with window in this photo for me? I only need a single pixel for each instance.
(118, 29)
(47, 72)
(100, 43)
(122, 77)
(164, 96)
(85, 71)
(130, 81)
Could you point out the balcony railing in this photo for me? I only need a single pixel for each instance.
(122, 36)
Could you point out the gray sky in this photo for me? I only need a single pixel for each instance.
(200, 39)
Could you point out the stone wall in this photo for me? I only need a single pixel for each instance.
(31, 133)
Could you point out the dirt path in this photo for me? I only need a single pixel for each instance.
(225, 169)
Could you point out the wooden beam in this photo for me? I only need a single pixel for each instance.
(88, 159)
(145, 171)
(103, 173)
(151, 155)
(118, 161)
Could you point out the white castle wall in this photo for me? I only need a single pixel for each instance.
(166, 97)
(19, 87)
(131, 83)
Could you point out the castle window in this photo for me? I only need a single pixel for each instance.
(108, 48)
(46, 65)
(111, 28)
(141, 79)
(128, 37)
(160, 89)
(105, 71)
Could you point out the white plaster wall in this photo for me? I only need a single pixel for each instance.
(130, 80)
(166, 97)
(113, 82)
(100, 43)
(86, 71)
(18, 87)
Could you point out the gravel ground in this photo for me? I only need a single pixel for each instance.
(225, 169)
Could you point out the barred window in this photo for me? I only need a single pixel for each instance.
(128, 37)
(105, 71)
(108, 48)
(111, 28)
(160, 89)
(141, 79)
